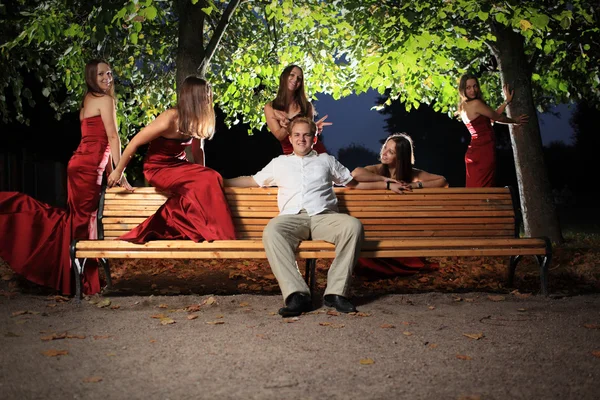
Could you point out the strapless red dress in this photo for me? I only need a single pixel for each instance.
(196, 209)
(35, 237)
(480, 159)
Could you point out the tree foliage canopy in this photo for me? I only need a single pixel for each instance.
(412, 50)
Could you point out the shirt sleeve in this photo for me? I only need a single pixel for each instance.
(266, 177)
(340, 174)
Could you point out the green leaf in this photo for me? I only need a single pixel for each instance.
(150, 12)
(207, 10)
(133, 38)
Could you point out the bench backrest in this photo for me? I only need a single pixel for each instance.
(423, 213)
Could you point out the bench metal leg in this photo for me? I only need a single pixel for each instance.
(77, 268)
(514, 260)
(106, 266)
(544, 262)
(310, 275)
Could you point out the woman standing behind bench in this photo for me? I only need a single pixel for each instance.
(291, 101)
(34, 237)
(197, 208)
(480, 158)
(397, 159)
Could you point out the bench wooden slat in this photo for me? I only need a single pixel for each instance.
(305, 254)
(311, 244)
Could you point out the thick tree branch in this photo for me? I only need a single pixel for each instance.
(217, 35)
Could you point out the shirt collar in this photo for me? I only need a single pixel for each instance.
(309, 154)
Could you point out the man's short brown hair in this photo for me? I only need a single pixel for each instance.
(303, 120)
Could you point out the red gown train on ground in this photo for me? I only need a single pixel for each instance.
(35, 238)
(196, 209)
(480, 159)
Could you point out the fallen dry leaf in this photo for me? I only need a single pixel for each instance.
(469, 299)
(192, 316)
(215, 322)
(163, 306)
(158, 316)
(470, 397)
(324, 323)
(193, 308)
(17, 313)
(432, 345)
(596, 353)
(591, 326)
(334, 313)
(367, 361)
(209, 301)
(496, 298)
(475, 336)
(521, 309)
(387, 326)
(58, 299)
(244, 304)
(54, 336)
(92, 379)
(463, 357)
(291, 320)
(103, 303)
(116, 307)
(431, 307)
(75, 336)
(98, 337)
(55, 353)
(167, 321)
(361, 314)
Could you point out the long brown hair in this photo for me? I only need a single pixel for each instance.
(462, 87)
(281, 101)
(195, 108)
(405, 158)
(91, 80)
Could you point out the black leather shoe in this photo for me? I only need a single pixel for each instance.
(340, 303)
(296, 304)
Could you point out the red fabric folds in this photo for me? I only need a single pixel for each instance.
(35, 237)
(196, 209)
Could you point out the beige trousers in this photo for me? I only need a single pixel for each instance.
(283, 234)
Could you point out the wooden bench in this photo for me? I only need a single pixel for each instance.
(423, 223)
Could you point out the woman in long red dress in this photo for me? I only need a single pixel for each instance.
(197, 208)
(480, 159)
(35, 237)
(291, 101)
(397, 160)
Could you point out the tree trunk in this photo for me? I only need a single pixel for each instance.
(539, 213)
(190, 47)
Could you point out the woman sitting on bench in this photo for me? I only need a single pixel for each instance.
(397, 159)
(197, 208)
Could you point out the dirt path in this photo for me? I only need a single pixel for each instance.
(420, 346)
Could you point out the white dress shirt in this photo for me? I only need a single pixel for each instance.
(304, 182)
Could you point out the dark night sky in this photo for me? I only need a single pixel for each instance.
(355, 122)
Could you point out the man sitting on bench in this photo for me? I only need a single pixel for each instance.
(308, 210)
